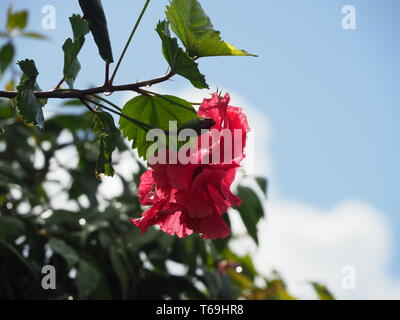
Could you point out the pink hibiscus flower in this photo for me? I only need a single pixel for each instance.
(192, 198)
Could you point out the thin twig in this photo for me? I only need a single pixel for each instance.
(107, 76)
(94, 112)
(58, 86)
(129, 41)
(88, 106)
(107, 101)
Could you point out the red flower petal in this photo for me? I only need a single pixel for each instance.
(193, 197)
(145, 191)
(180, 176)
(214, 227)
(172, 225)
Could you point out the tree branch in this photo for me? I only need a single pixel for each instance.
(78, 94)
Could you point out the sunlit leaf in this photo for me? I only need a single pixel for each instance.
(155, 111)
(10, 85)
(17, 20)
(194, 28)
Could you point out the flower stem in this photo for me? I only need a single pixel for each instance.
(107, 101)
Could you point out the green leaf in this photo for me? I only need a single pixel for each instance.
(120, 269)
(69, 121)
(80, 26)
(7, 53)
(63, 249)
(72, 103)
(10, 85)
(72, 47)
(11, 227)
(18, 255)
(241, 280)
(178, 60)
(28, 106)
(104, 127)
(88, 279)
(193, 27)
(34, 35)
(28, 67)
(245, 262)
(155, 111)
(94, 13)
(263, 184)
(251, 210)
(17, 20)
(6, 110)
(322, 291)
(71, 63)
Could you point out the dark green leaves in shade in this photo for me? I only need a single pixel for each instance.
(109, 136)
(88, 279)
(156, 112)
(28, 106)
(94, 14)
(64, 250)
(119, 266)
(72, 47)
(7, 53)
(17, 20)
(251, 210)
(194, 28)
(179, 60)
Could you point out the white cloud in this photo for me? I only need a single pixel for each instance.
(305, 243)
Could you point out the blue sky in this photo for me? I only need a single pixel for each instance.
(333, 96)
